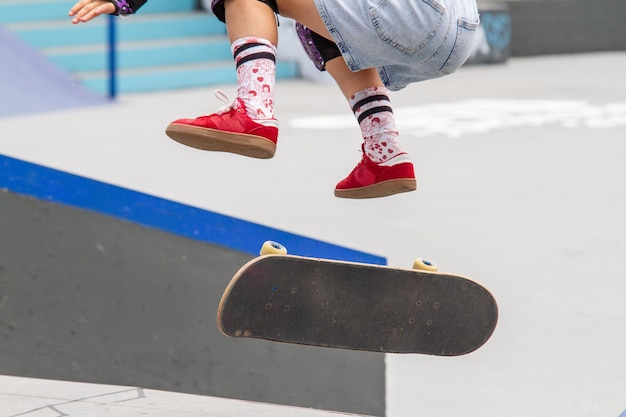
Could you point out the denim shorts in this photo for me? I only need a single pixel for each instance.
(406, 40)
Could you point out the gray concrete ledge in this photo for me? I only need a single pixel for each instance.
(91, 298)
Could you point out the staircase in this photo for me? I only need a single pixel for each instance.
(168, 44)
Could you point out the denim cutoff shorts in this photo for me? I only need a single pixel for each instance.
(406, 40)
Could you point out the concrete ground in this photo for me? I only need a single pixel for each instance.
(29, 397)
(521, 186)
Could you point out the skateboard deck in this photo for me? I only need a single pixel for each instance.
(309, 301)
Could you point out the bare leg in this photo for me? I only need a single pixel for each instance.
(305, 12)
(351, 82)
(246, 18)
(385, 169)
(247, 125)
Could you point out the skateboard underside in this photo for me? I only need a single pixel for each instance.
(355, 306)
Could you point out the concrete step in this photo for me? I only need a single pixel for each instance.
(55, 33)
(167, 45)
(172, 77)
(21, 396)
(142, 54)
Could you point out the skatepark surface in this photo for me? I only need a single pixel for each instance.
(39, 397)
(521, 181)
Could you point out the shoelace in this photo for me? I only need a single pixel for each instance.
(361, 161)
(234, 105)
(224, 98)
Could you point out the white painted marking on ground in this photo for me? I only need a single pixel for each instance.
(468, 117)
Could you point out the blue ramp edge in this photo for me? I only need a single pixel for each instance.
(56, 186)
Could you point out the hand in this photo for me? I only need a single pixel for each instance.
(85, 10)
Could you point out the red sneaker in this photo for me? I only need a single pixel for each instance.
(230, 129)
(371, 180)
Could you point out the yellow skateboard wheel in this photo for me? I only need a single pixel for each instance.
(424, 265)
(272, 248)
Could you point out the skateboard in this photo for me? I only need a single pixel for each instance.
(337, 304)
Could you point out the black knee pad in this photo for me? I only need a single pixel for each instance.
(317, 47)
(218, 8)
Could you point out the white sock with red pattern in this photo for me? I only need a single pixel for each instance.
(372, 109)
(255, 60)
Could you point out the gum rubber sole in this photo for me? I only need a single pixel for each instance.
(220, 141)
(381, 189)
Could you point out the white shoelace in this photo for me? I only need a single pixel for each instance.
(224, 98)
(234, 105)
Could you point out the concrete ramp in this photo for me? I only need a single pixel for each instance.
(30, 83)
(96, 286)
(27, 397)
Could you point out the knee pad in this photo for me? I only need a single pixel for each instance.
(317, 47)
(217, 6)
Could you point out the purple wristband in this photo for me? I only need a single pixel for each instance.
(122, 7)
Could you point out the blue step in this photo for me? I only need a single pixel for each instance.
(19, 11)
(167, 45)
(143, 54)
(137, 28)
(177, 77)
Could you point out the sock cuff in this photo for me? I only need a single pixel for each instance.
(251, 44)
(368, 95)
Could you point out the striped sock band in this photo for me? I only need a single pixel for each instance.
(370, 105)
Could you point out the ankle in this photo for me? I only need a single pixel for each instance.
(382, 151)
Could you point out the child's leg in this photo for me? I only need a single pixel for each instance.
(250, 18)
(369, 101)
(247, 126)
(384, 168)
(253, 35)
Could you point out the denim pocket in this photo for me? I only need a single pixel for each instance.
(406, 25)
(463, 44)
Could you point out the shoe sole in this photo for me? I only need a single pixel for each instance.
(381, 189)
(220, 141)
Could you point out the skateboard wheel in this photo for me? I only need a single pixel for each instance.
(424, 265)
(272, 248)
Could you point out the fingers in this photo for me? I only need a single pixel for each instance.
(76, 8)
(85, 10)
